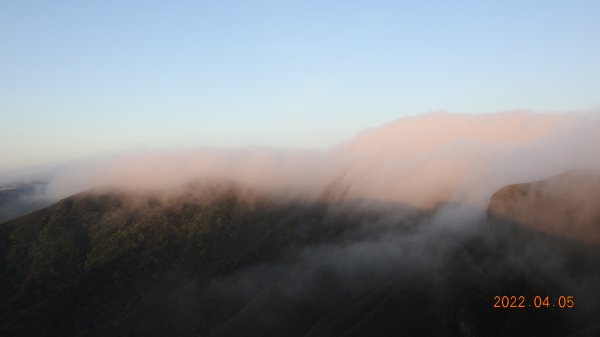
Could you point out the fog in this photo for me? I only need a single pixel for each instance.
(419, 161)
(407, 204)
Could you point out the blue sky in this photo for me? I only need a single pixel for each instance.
(85, 77)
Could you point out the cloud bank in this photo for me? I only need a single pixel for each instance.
(419, 161)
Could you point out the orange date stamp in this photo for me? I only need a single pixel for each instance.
(536, 302)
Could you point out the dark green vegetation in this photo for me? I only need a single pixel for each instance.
(218, 264)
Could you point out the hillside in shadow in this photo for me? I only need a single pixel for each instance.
(215, 262)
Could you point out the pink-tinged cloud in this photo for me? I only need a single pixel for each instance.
(419, 161)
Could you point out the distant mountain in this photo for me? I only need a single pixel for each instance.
(225, 262)
(19, 199)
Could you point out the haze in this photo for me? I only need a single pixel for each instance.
(418, 161)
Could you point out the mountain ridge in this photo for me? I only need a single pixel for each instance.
(220, 263)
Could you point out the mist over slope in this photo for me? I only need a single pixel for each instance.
(225, 261)
(420, 161)
(388, 233)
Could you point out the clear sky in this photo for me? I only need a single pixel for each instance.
(85, 77)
